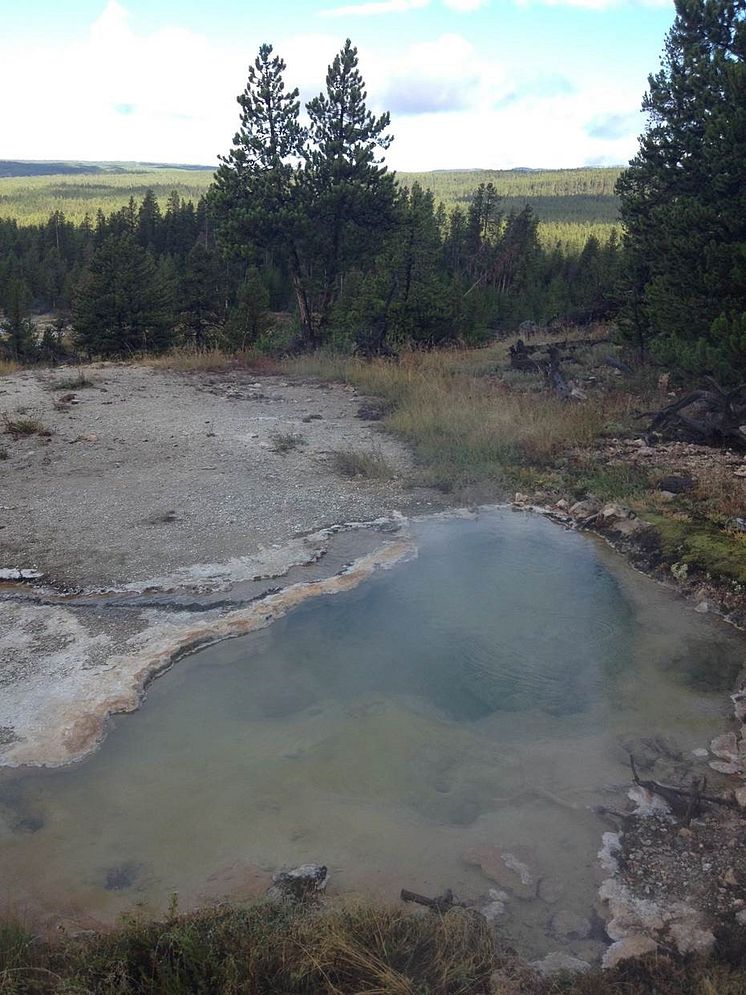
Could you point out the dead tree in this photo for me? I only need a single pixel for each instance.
(686, 803)
(709, 415)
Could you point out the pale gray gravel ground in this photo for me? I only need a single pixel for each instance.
(84, 505)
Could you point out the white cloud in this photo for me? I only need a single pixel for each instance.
(119, 94)
(375, 8)
(465, 6)
(445, 74)
(169, 95)
(595, 4)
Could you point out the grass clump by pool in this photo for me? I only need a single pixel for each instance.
(291, 949)
(465, 426)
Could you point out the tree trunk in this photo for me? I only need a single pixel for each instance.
(308, 327)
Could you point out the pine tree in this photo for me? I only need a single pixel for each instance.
(684, 194)
(18, 339)
(349, 193)
(249, 317)
(150, 223)
(319, 202)
(201, 297)
(121, 306)
(255, 196)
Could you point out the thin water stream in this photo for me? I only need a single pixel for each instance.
(479, 698)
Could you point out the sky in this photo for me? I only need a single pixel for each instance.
(469, 84)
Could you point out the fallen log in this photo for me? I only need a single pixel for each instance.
(719, 415)
(440, 903)
(685, 802)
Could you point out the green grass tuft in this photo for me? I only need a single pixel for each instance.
(80, 381)
(24, 425)
(287, 442)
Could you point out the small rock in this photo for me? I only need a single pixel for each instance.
(299, 882)
(730, 878)
(700, 752)
(725, 746)
(629, 527)
(636, 945)
(726, 767)
(521, 498)
(495, 908)
(741, 797)
(551, 890)
(739, 703)
(703, 607)
(562, 505)
(613, 511)
(585, 508)
(648, 803)
(741, 917)
(557, 961)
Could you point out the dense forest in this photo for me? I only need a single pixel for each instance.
(464, 275)
(305, 239)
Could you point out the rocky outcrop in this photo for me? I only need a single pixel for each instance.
(633, 919)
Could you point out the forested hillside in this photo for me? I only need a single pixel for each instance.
(570, 204)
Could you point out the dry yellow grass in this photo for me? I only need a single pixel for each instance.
(187, 360)
(8, 366)
(466, 425)
(722, 492)
(330, 949)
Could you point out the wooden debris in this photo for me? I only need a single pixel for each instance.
(716, 415)
(441, 903)
(684, 802)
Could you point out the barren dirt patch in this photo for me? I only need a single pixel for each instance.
(146, 473)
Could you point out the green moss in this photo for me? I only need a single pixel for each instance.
(617, 481)
(701, 545)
